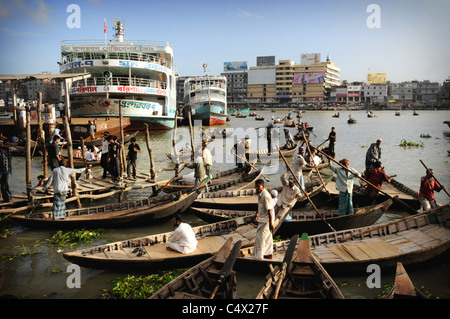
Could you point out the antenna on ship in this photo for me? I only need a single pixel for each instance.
(119, 27)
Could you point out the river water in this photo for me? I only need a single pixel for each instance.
(43, 275)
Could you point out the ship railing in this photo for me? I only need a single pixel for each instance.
(194, 87)
(206, 97)
(130, 56)
(101, 43)
(121, 81)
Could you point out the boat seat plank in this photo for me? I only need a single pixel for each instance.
(365, 251)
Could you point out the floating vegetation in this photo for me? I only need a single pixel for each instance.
(132, 287)
(387, 288)
(405, 143)
(74, 237)
(19, 255)
(425, 135)
(4, 224)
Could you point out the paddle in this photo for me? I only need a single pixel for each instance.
(250, 165)
(406, 206)
(315, 166)
(176, 175)
(286, 262)
(304, 191)
(442, 186)
(227, 267)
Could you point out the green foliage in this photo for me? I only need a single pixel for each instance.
(19, 255)
(4, 224)
(425, 135)
(132, 287)
(404, 143)
(75, 237)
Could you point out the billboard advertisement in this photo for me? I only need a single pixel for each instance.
(235, 66)
(265, 60)
(309, 58)
(309, 77)
(379, 78)
(264, 76)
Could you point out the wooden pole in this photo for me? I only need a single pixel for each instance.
(192, 135)
(304, 191)
(150, 155)
(435, 178)
(409, 208)
(315, 166)
(28, 155)
(122, 143)
(175, 152)
(70, 154)
(42, 140)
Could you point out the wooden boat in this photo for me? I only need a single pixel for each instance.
(241, 116)
(244, 199)
(259, 118)
(230, 180)
(289, 124)
(302, 278)
(403, 287)
(415, 113)
(278, 120)
(264, 154)
(299, 136)
(149, 252)
(397, 113)
(304, 220)
(412, 240)
(371, 114)
(98, 141)
(236, 111)
(336, 114)
(200, 281)
(351, 120)
(150, 210)
(325, 162)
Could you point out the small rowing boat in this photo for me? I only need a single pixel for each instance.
(302, 278)
(403, 287)
(265, 154)
(200, 281)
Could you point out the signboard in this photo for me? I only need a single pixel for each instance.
(113, 63)
(378, 78)
(235, 66)
(265, 60)
(309, 77)
(117, 89)
(309, 58)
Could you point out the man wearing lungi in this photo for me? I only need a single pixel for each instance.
(265, 217)
(344, 184)
(182, 238)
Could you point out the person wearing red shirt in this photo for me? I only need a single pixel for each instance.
(426, 193)
(376, 176)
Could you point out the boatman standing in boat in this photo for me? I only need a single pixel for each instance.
(265, 218)
(133, 149)
(344, 184)
(207, 159)
(332, 139)
(61, 178)
(298, 164)
(373, 154)
(54, 152)
(104, 150)
(288, 196)
(428, 185)
(182, 238)
(114, 158)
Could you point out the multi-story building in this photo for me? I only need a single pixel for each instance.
(236, 89)
(374, 93)
(289, 83)
(416, 92)
(444, 94)
(427, 92)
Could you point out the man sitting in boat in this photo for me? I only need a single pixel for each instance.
(376, 177)
(289, 140)
(182, 238)
(289, 194)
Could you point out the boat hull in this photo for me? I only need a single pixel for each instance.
(210, 115)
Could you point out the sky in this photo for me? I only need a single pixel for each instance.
(406, 39)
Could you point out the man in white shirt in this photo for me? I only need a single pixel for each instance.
(265, 216)
(288, 196)
(61, 178)
(207, 159)
(182, 239)
(298, 164)
(104, 150)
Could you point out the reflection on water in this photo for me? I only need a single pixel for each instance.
(43, 275)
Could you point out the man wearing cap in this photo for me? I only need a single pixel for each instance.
(288, 196)
(182, 238)
(104, 150)
(373, 155)
(133, 149)
(265, 217)
(274, 194)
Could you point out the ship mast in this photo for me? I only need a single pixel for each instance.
(118, 36)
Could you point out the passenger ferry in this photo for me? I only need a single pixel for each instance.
(206, 98)
(137, 76)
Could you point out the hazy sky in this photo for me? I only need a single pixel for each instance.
(411, 43)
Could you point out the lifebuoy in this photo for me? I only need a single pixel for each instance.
(205, 65)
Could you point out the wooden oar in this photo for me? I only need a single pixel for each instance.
(442, 186)
(303, 190)
(409, 208)
(250, 165)
(227, 267)
(315, 166)
(175, 176)
(393, 222)
(286, 262)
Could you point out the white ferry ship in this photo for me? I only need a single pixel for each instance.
(206, 98)
(137, 76)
